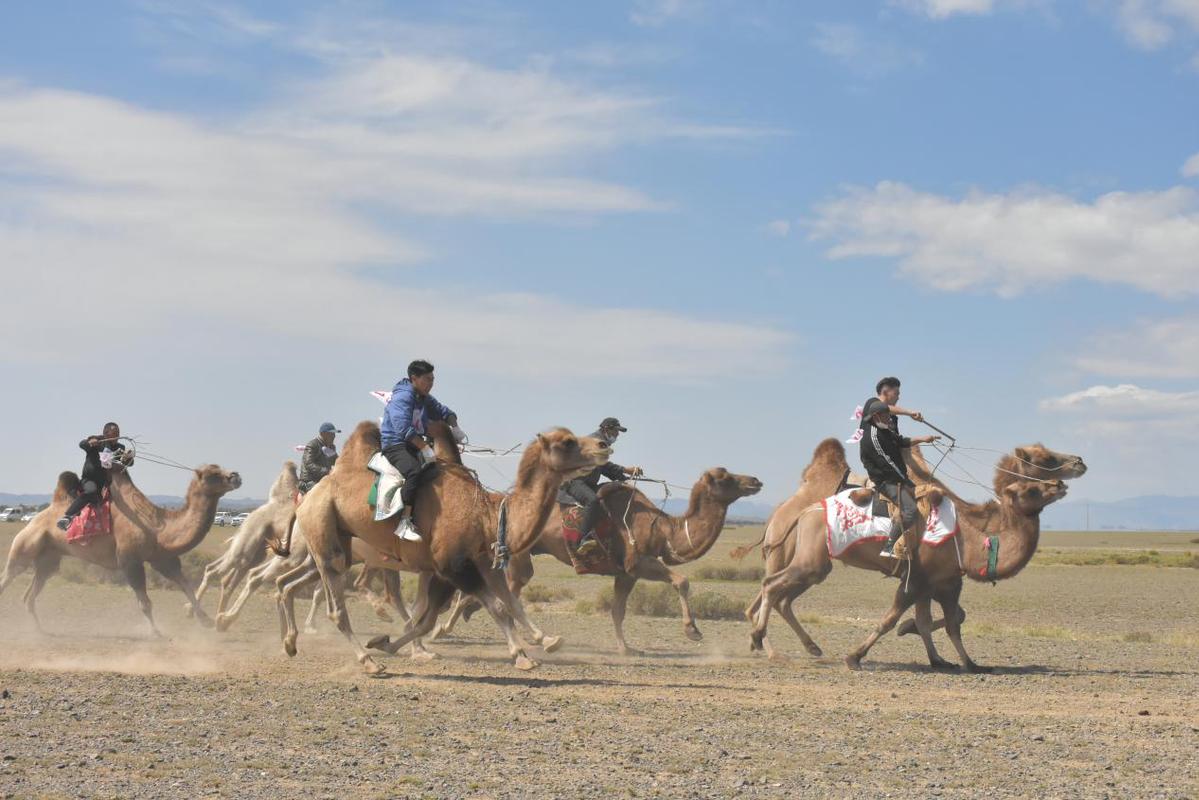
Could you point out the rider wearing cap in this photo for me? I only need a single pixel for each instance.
(319, 457)
(881, 451)
(584, 491)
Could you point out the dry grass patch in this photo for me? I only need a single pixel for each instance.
(1116, 558)
(660, 600)
(539, 593)
(728, 573)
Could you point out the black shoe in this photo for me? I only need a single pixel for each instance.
(64, 523)
(586, 547)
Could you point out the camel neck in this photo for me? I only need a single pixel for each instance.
(529, 508)
(981, 526)
(693, 534)
(176, 530)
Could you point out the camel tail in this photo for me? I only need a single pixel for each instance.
(282, 548)
(67, 487)
(741, 552)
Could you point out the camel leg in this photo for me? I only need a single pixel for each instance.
(135, 574)
(924, 625)
(318, 597)
(254, 578)
(228, 583)
(948, 599)
(651, 569)
(621, 590)
(775, 589)
(333, 577)
(443, 629)
(44, 567)
(501, 613)
(393, 592)
(436, 592)
(172, 569)
(286, 586)
(905, 596)
(788, 614)
(909, 626)
(211, 572)
(497, 582)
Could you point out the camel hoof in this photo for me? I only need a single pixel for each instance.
(289, 645)
(551, 643)
(524, 663)
(755, 642)
(372, 667)
(978, 669)
(853, 662)
(814, 650)
(223, 622)
(693, 633)
(906, 627)
(379, 642)
(942, 665)
(424, 655)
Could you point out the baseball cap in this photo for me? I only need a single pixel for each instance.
(329, 427)
(613, 422)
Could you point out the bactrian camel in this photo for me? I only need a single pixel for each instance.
(459, 524)
(657, 541)
(141, 533)
(1026, 481)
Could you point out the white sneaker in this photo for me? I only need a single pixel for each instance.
(407, 531)
(886, 551)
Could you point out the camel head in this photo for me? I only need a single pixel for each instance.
(726, 487)
(1038, 461)
(214, 481)
(1029, 497)
(560, 451)
(284, 489)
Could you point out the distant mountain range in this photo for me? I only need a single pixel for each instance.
(1145, 513)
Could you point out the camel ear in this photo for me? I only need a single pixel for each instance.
(1022, 454)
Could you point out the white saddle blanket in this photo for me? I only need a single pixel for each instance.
(849, 524)
(388, 502)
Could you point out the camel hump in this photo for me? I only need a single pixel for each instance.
(67, 487)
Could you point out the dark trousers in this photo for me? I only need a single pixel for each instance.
(406, 458)
(89, 496)
(901, 494)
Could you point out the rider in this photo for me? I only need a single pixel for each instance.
(103, 452)
(319, 457)
(584, 491)
(403, 432)
(881, 453)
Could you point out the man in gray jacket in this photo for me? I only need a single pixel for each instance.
(319, 457)
(583, 491)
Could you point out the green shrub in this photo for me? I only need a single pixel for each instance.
(661, 600)
(729, 573)
(537, 593)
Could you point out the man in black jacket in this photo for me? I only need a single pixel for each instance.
(583, 491)
(103, 452)
(881, 451)
(319, 457)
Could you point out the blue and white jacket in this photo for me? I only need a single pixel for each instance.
(407, 412)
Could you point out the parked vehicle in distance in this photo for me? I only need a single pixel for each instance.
(221, 518)
(239, 519)
(28, 516)
(10, 514)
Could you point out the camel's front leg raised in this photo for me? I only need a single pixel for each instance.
(432, 596)
(905, 595)
(286, 586)
(135, 574)
(497, 582)
(651, 569)
(909, 625)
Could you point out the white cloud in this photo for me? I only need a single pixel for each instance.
(865, 54)
(1012, 242)
(778, 227)
(942, 9)
(1166, 348)
(262, 223)
(652, 13)
(1125, 400)
(1190, 169)
(1152, 24)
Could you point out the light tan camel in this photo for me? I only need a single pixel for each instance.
(659, 541)
(141, 532)
(1026, 480)
(459, 524)
(249, 545)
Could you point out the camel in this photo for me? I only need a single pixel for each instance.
(1026, 480)
(141, 533)
(459, 522)
(248, 547)
(659, 541)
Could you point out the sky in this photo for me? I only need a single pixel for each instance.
(224, 223)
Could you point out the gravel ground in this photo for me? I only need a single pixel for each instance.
(1094, 696)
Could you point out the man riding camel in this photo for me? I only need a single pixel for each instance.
(584, 491)
(319, 457)
(403, 432)
(103, 452)
(881, 451)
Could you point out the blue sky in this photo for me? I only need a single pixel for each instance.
(224, 223)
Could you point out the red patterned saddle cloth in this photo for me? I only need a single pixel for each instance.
(598, 560)
(94, 520)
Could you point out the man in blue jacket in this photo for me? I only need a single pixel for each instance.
(403, 432)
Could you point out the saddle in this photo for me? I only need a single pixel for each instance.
(928, 497)
(602, 560)
(94, 520)
(384, 495)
